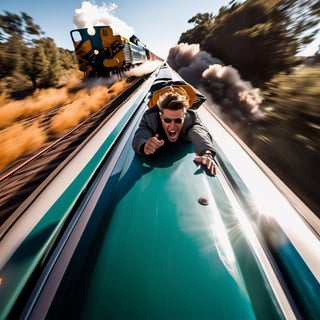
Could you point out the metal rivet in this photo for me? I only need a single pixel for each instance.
(203, 201)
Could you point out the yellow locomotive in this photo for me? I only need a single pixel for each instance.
(100, 53)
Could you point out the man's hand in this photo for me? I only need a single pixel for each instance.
(208, 163)
(152, 145)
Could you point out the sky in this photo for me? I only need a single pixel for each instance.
(158, 24)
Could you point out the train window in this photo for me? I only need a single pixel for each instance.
(76, 36)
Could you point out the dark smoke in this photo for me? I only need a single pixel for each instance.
(190, 62)
(235, 98)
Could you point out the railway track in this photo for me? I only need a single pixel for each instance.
(21, 184)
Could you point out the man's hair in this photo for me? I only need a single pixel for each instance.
(173, 99)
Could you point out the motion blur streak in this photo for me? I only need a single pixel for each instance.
(75, 102)
(40, 101)
(84, 105)
(18, 140)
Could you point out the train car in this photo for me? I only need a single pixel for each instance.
(100, 53)
(115, 235)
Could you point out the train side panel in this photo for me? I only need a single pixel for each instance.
(138, 55)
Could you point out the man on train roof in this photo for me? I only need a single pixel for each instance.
(172, 117)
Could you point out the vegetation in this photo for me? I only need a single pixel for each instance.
(259, 38)
(21, 121)
(290, 139)
(28, 60)
(262, 39)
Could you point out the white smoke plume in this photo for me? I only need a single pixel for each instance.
(143, 69)
(90, 15)
(234, 96)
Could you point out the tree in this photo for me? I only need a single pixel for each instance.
(52, 73)
(67, 58)
(202, 22)
(26, 55)
(30, 28)
(11, 56)
(19, 25)
(14, 46)
(259, 38)
(36, 65)
(11, 24)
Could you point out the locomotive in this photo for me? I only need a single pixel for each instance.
(100, 53)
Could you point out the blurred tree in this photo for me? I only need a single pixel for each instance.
(52, 73)
(289, 141)
(19, 25)
(1, 31)
(26, 54)
(67, 58)
(202, 22)
(259, 38)
(31, 29)
(11, 24)
(11, 52)
(36, 65)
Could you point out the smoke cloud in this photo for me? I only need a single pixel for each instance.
(91, 15)
(235, 98)
(143, 69)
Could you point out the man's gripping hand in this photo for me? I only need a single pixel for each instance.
(207, 162)
(152, 144)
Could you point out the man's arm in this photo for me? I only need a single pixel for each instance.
(202, 141)
(142, 134)
(145, 141)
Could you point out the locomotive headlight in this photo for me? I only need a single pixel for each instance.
(95, 52)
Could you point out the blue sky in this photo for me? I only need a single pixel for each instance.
(158, 24)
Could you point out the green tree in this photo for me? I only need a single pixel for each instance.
(201, 22)
(16, 41)
(291, 131)
(52, 73)
(11, 24)
(11, 56)
(259, 38)
(36, 66)
(30, 28)
(26, 54)
(67, 58)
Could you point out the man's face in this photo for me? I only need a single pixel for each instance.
(172, 122)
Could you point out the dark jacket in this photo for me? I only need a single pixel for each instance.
(193, 130)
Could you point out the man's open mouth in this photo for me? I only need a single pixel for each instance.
(172, 134)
